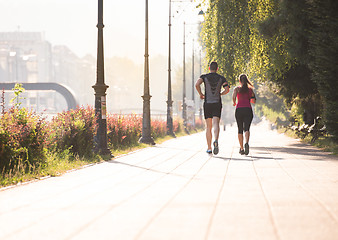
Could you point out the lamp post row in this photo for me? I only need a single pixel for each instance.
(100, 138)
(169, 100)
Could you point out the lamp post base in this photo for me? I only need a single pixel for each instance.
(147, 140)
(104, 152)
(171, 134)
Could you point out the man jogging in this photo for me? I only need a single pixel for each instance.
(213, 83)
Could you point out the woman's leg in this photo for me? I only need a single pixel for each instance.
(247, 123)
(239, 121)
(240, 140)
(247, 136)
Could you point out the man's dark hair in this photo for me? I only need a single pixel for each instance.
(213, 66)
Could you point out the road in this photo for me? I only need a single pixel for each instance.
(283, 189)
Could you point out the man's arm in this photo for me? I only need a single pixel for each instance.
(226, 89)
(198, 87)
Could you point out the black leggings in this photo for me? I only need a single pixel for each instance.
(244, 118)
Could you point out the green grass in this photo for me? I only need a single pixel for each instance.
(55, 165)
(325, 143)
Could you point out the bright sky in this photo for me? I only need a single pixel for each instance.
(73, 23)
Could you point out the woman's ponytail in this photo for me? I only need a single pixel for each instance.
(245, 82)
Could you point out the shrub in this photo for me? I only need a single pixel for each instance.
(123, 130)
(73, 130)
(22, 137)
(158, 128)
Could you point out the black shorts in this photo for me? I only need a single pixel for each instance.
(212, 110)
(244, 118)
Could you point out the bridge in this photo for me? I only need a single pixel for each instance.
(45, 86)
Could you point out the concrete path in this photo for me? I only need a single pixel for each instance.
(282, 190)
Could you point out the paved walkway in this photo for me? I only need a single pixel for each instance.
(282, 190)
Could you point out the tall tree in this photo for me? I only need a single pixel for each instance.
(289, 44)
(292, 20)
(262, 38)
(324, 57)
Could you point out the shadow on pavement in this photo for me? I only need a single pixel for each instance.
(248, 158)
(144, 168)
(298, 149)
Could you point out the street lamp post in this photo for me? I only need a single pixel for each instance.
(100, 139)
(201, 13)
(192, 81)
(146, 124)
(169, 101)
(200, 75)
(184, 107)
(170, 128)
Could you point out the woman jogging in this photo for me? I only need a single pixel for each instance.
(244, 95)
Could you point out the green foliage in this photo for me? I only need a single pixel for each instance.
(73, 130)
(292, 44)
(231, 37)
(225, 36)
(31, 147)
(18, 90)
(271, 106)
(123, 130)
(22, 137)
(324, 61)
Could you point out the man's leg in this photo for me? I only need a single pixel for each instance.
(216, 133)
(215, 123)
(208, 132)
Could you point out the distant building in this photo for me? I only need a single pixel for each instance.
(28, 57)
(25, 57)
(74, 72)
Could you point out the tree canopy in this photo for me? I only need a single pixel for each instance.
(286, 44)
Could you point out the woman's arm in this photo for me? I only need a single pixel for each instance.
(234, 96)
(253, 97)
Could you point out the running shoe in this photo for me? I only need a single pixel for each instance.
(216, 149)
(246, 149)
(241, 151)
(209, 151)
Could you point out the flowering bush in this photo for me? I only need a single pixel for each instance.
(26, 138)
(158, 128)
(73, 130)
(123, 130)
(22, 137)
(199, 124)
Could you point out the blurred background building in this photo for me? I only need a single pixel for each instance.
(26, 57)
